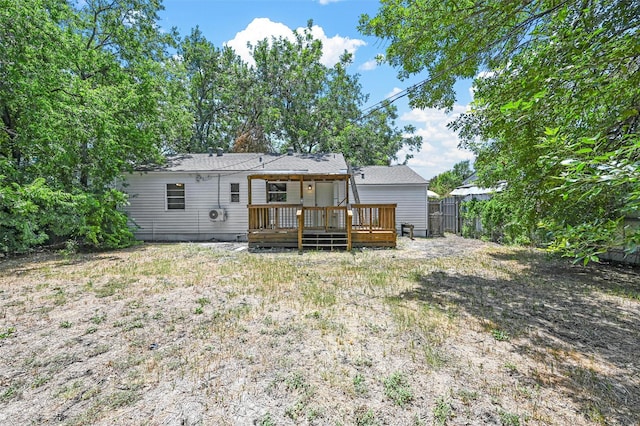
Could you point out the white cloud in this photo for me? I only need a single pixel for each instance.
(369, 65)
(258, 29)
(261, 28)
(393, 92)
(326, 2)
(440, 144)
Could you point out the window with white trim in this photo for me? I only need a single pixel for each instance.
(235, 193)
(277, 192)
(175, 196)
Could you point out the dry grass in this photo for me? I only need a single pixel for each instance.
(445, 331)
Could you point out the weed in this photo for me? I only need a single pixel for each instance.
(508, 419)
(500, 335)
(417, 421)
(365, 417)
(359, 385)
(467, 396)
(91, 330)
(297, 409)
(110, 288)
(98, 319)
(295, 381)
(595, 414)
(39, 381)
(128, 326)
(363, 362)
(122, 399)
(65, 324)
(70, 391)
(59, 297)
(442, 411)
(294, 411)
(313, 413)
(319, 295)
(511, 368)
(7, 333)
(198, 310)
(396, 388)
(203, 301)
(265, 420)
(99, 350)
(314, 315)
(10, 393)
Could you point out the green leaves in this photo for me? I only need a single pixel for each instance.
(35, 214)
(288, 99)
(86, 93)
(555, 110)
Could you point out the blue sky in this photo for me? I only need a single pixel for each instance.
(235, 22)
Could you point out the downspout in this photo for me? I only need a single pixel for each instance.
(218, 190)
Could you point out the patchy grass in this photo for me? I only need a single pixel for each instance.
(440, 331)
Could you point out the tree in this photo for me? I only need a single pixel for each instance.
(449, 180)
(315, 108)
(86, 94)
(556, 109)
(224, 96)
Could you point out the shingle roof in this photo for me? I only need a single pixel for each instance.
(300, 163)
(387, 175)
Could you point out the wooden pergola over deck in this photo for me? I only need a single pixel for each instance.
(301, 177)
(341, 226)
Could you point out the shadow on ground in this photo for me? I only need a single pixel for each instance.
(583, 320)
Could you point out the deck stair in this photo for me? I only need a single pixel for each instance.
(324, 241)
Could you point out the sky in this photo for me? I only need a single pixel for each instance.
(236, 22)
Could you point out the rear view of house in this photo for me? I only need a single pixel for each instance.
(269, 200)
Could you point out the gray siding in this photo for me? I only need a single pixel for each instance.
(147, 210)
(411, 201)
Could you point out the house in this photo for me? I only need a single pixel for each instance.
(269, 200)
(398, 184)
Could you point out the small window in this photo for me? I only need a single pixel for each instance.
(175, 196)
(235, 192)
(277, 192)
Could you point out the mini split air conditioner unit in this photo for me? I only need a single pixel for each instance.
(217, 215)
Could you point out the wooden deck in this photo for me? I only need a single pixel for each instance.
(336, 227)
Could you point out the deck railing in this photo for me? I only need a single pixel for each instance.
(325, 218)
(374, 217)
(273, 216)
(363, 224)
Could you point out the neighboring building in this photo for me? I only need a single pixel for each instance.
(470, 191)
(269, 200)
(395, 184)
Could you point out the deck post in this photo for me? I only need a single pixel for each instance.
(349, 223)
(300, 217)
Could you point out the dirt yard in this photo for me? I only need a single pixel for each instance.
(442, 331)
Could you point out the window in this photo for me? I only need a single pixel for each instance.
(277, 192)
(175, 196)
(235, 192)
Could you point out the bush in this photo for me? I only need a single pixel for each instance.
(35, 214)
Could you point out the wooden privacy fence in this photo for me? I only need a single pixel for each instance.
(444, 216)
